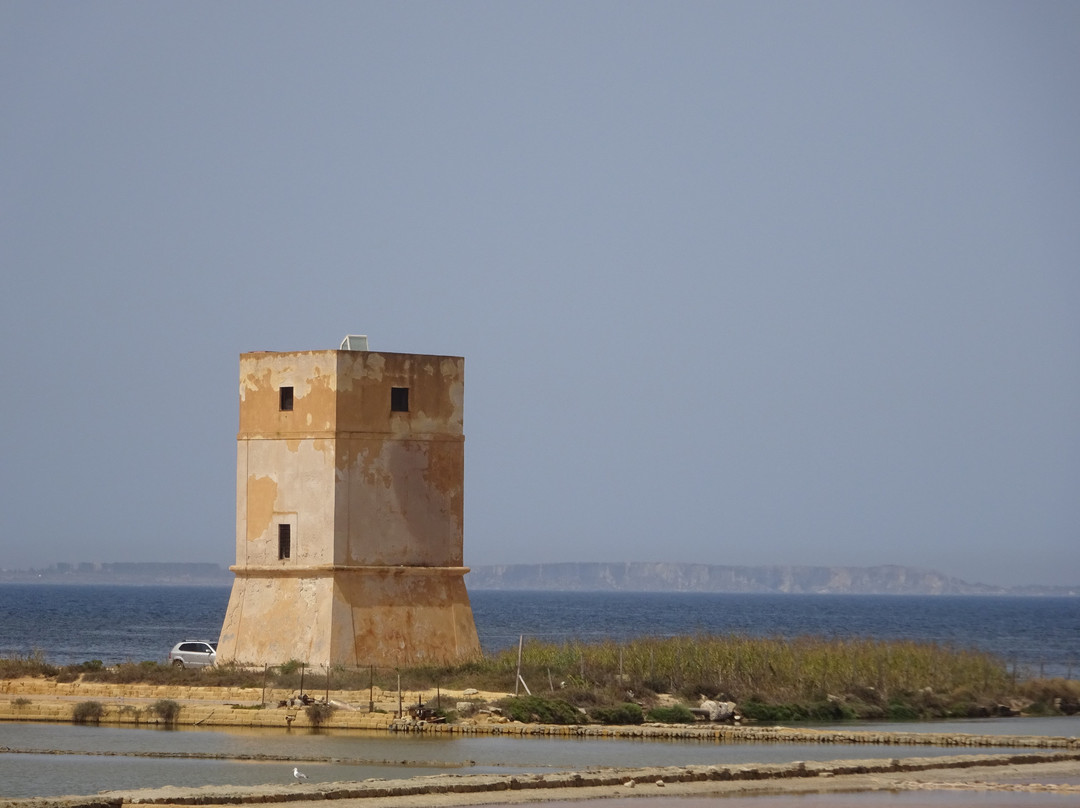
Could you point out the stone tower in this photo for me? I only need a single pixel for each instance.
(349, 510)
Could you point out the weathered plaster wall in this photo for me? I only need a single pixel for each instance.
(287, 482)
(402, 502)
(311, 374)
(436, 393)
(285, 460)
(401, 474)
(399, 617)
(273, 619)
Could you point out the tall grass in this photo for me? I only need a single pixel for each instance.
(770, 669)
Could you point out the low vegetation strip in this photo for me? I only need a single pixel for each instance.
(769, 679)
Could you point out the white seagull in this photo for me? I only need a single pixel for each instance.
(299, 775)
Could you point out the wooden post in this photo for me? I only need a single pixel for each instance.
(263, 699)
(302, 665)
(328, 684)
(371, 689)
(399, 694)
(521, 641)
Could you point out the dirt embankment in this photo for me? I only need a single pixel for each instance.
(36, 699)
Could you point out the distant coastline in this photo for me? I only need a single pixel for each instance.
(795, 580)
(589, 577)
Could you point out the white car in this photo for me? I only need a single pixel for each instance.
(193, 654)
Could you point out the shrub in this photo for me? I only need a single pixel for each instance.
(88, 712)
(761, 711)
(231, 675)
(537, 709)
(448, 716)
(21, 701)
(654, 685)
(969, 709)
(1055, 695)
(167, 710)
(829, 711)
(899, 711)
(1040, 708)
(131, 672)
(825, 710)
(583, 695)
(33, 664)
(620, 714)
(867, 712)
(696, 690)
(675, 714)
(319, 712)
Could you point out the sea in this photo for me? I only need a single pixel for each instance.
(1033, 636)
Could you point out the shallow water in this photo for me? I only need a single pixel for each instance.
(862, 799)
(103, 757)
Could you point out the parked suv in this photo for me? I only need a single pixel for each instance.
(193, 654)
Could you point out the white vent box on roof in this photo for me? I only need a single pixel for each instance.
(354, 342)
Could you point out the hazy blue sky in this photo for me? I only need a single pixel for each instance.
(736, 283)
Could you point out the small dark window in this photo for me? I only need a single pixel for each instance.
(399, 399)
(284, 541)
(286, 399)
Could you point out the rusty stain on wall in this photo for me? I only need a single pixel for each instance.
(373, 500)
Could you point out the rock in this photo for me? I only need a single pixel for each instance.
(718, 710)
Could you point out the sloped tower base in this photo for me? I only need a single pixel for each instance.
(349, 616)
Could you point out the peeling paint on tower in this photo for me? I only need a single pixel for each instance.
(349, 511)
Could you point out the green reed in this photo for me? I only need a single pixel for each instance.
(770, 668)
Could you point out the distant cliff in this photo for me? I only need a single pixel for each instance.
(163, 573)
(664, 577)
(591, 577)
